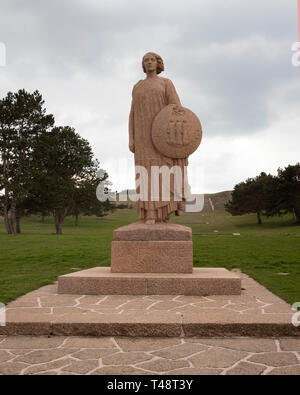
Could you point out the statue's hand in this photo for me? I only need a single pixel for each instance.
(131, 147)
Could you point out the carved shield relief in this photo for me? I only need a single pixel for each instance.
(176, 132)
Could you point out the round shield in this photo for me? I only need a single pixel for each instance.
(176, 132)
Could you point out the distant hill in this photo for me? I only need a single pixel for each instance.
(211, 200)
(219, 199)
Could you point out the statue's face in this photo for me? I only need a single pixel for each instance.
(150, 62)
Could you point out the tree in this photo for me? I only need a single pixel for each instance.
(84, 198)
(23, 119)
(255, 195)
(61, 157)
(288, 191)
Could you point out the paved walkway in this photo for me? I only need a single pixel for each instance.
(144, 356)
(143, 335)
(257, 312)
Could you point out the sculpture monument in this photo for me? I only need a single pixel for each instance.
(161, 133)
(154, 256)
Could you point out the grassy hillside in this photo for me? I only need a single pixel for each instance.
(38, 256)
(219, 199)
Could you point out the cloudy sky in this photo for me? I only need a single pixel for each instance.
(230, 62)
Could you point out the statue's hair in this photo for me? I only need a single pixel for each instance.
(160, 63)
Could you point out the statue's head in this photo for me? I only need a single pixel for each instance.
(151, 60)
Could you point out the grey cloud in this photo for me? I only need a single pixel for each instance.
(85, 55)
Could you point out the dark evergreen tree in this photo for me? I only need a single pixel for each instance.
(288, 191)
(23, 120)
(62, 157)
(85, 199)
(255, 195)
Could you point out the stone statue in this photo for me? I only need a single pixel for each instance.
(161, 133)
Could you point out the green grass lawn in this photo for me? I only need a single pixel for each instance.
(38, 256)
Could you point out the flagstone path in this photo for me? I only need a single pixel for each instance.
(24, 355)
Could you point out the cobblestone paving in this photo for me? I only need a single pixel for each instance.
(24, 355)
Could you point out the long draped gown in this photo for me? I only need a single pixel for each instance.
(149, 97)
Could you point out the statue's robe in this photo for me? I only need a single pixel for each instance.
(149, 97)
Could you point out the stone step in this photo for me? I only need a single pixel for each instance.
(101, 281)
(255, 313)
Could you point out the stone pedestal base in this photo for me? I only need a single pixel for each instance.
(100, 281)
(138, 231)
(151, 260)
(152, 257)
(140, 248)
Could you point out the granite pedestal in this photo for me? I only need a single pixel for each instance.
(151, 260)
(140, 248)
